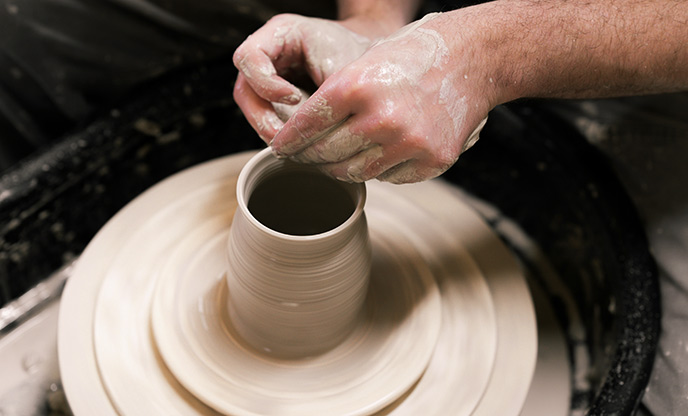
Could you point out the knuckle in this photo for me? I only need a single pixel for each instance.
(277, 19)
(357, 88)
(385, 121)
(302, 123)
(282, 19)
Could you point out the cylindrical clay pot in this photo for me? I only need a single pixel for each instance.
(299, 257)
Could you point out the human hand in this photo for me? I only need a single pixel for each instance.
(402, 112)
(287, 47)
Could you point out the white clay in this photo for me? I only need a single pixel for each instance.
(325, 273)
(336, 147)
(455, 104)
(270, 120)
(358, 163)
(473, 138)
(143, 326)
(251, 70)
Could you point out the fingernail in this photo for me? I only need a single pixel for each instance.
(291, 99)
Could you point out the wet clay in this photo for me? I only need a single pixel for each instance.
(145, 326)
(300, 203)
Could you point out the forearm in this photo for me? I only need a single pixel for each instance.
(570, 49)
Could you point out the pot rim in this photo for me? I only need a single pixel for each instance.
(359, 193)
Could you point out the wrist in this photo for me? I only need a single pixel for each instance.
(370, 26)
(376, 19)
(473, 71)
(487, 45)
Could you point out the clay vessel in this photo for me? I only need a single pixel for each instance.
(298, 258)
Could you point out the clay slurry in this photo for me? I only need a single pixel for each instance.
(301, 203)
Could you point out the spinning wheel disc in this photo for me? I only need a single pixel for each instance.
(149, 285)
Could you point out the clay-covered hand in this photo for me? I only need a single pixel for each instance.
(402, 112)
(287, 47)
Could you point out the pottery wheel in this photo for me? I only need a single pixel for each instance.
(448, 326)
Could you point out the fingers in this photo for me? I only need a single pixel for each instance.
(363, 166)
(418, 169)
(410, 171)
(353, 147)
(262, 76)
(352, 157)
(381, 114)
(320, 116)
(341, 144)
(373, 164)
(256, 58)
(259, 113)
(360, 157)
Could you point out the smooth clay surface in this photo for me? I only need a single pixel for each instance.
(447, 327)
(297, 276)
